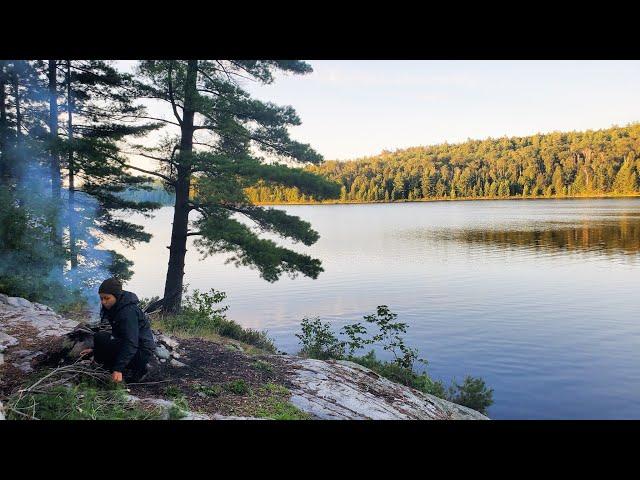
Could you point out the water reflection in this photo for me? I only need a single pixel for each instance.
(615, 237)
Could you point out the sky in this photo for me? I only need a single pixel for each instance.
(351, 109)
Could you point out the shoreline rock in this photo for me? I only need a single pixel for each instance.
(343, 390)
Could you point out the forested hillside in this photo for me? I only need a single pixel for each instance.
(601, 162)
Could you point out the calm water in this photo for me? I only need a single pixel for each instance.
(537, 297)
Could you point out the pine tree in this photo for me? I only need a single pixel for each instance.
(223, 160)
(4, 126)
(98, 102)
(626, 180)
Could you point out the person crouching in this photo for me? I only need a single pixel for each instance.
(130, 345)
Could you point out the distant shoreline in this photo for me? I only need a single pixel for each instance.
(460, 199)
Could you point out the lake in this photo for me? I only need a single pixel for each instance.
(538, 297)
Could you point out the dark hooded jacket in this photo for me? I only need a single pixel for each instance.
(129, 324)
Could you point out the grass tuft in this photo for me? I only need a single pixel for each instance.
(275, 404)
(239, 387)
(82, 401)
(199, 318)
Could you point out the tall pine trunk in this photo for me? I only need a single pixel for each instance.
(4, 161)
(53, 131)
(5, 171)
(72, 192)
(178, 247)
(56, 178)
(16, 160)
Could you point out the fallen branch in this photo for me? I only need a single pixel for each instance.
(148, 383)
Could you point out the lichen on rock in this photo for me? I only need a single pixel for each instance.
(340, 390)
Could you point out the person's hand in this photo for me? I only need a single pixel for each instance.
(86, 351)
(116, 376)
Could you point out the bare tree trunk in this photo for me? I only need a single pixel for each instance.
(72, 192)
(178, 247)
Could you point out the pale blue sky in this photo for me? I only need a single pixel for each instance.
(352, 109)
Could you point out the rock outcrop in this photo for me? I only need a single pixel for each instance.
(323, 389)
(26, 329)
(340, 390)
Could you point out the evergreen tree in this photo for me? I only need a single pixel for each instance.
(98, 102)
(223, 160)
(626, 180)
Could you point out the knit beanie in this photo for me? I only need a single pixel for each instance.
(112, 286)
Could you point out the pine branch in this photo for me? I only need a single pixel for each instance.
(165, 178)
(160, 159)
(152, 118)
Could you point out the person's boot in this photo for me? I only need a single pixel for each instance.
(147, 373)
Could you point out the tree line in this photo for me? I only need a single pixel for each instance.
(559, 164)
(68, 133)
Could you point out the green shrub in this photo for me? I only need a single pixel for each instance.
(199, 316)
(318, 341)
(239, 387)
(473, 393)
(400, 374)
